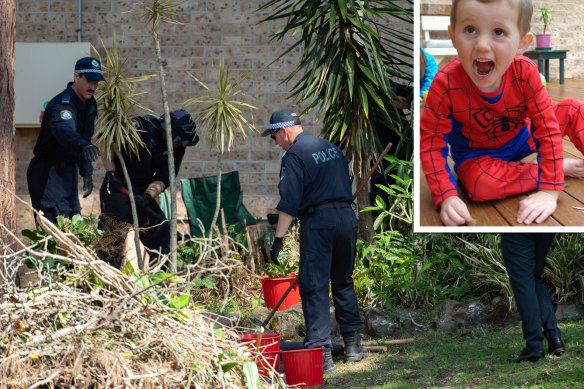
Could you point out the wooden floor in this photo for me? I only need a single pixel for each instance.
(502, 213)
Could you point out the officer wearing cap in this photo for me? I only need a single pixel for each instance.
(148, 172)
(63, 148)
(316, 188)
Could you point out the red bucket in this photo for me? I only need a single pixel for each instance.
(269, 347)
(274, 289)
(303, 366)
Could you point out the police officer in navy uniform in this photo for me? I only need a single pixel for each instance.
(148, 172)
(315, 187)
(524, 255)
(63, 148)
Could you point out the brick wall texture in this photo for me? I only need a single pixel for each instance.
(209, 30)
(566, 29)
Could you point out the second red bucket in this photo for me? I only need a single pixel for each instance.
(269, 351)
(303, 367)
(274, 288)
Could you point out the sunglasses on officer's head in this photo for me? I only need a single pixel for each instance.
(273, 134)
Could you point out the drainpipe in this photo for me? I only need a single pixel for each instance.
(79, 5)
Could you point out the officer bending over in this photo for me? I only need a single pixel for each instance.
(63, 148)
(315, 187)
(148, 172)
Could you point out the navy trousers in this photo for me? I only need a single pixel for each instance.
(524, 255)
(327, 252)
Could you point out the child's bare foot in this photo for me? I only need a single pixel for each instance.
(574, 167)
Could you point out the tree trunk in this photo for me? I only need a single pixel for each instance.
(171, 170)
(134, 212)
(7, 152)
(218, 198)
(365, 218)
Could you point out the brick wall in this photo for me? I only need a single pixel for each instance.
(210, 30)
(566, 29)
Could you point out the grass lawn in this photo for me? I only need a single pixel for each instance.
(473, 359)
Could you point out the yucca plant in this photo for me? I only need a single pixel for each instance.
(487, 269)
(152, 12)
(561, 271)
(117, 102)
(220, 116)
(349, 51)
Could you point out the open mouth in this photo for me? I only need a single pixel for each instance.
(483, 67)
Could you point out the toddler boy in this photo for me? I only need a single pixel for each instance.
(490, 107)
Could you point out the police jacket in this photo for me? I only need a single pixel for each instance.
(313, 172)
(151, 163)
(66, 128)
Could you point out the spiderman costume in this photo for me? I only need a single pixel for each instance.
(488, 133)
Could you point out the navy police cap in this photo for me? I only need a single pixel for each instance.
(90, 68)
(281, 118)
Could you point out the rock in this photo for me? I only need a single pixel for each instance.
(288, 323)
(476, 313)
(568, 312)
(411, 322)
(378, 324)
(499, 309)
(229, 320)
(452, 315)
(335, 329)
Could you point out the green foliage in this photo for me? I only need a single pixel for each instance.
(152, 284)
(117, 100)
(546, 16)
(188, 255)
(564, 277)
(486, 268)
(251, 374)
(83, 227)
(400, 196)
(289, 256)
(349, 51)
(408, 271)
(220, 111)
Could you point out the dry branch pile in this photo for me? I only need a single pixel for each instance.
(97, 327)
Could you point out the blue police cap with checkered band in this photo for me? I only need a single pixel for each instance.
(281, 118)
(90, 68)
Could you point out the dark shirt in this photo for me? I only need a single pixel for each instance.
(66, 128)
(151, 163)
(313, 172)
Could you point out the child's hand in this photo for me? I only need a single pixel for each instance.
(454, 212)
(537, 206)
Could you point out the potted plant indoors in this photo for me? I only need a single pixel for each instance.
(543, 40)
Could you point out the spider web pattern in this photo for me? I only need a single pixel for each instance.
(456, 115)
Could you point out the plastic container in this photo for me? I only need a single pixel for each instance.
(269, 349)
(274, 288)
(303, 367)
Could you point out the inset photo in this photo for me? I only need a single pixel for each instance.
(500, 129)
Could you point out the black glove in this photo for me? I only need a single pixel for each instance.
(87, 185)
(141, 200)
(275, 250)
(113, 181)
(90, 152)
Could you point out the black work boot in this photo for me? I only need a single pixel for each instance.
(328, 367)
(353, 349)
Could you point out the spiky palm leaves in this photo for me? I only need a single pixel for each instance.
(220, 113)
(117, 102)
(152, 12)
(349, 51)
